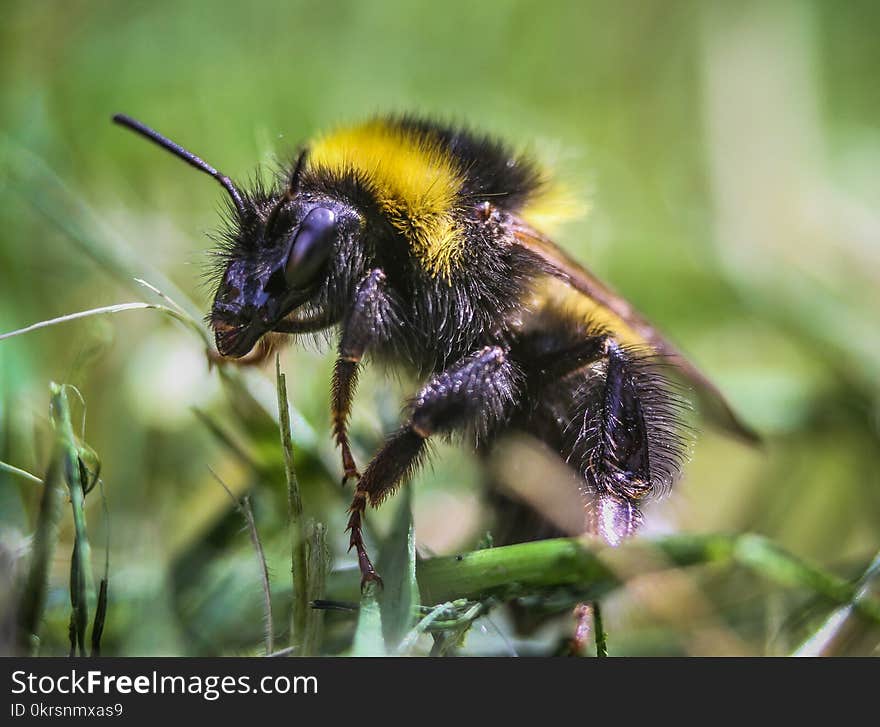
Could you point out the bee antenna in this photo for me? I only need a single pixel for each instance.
(182, 153)
(289, 191)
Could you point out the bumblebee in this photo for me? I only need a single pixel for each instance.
(424, 245)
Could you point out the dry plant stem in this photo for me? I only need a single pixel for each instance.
(18, 472)
(244, 507)
(105, 310)
(247, 511)
(318, 566)
(64, 208)
(228, 439)
(295, 516)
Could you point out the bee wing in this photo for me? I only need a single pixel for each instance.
(557, 263)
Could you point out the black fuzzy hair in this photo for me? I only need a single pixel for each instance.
(627, 436)
(493, 170)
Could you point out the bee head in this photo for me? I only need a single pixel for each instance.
(280, 262)
(260, 288)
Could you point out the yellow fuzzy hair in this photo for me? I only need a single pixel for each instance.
(551, 206)
(416, 182)
(556, 294)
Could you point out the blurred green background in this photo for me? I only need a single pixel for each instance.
(729, 154)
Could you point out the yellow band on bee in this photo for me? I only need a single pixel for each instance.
(415, 180)
(555, 294)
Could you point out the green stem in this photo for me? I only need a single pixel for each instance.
(81, 562)
(599, 630)
(594, 570)
(63, 470)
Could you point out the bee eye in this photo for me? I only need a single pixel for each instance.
(311, 247)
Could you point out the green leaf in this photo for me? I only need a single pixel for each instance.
(399, 598)
(368, 639)
(387, 612)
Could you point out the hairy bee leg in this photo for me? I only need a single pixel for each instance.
(629, 444)
(345, 376)
(624, 427)
(355, 526)
(397, 458)
(367, 322)
(477, 392)
(559, 362)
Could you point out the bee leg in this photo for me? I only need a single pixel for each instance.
(397, 459)
(629, 440)
(556, 363)
(345, 376)
(368, 321)
(477, 392)
(355, 526)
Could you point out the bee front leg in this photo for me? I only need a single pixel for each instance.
(476, 393)
(369, 320)
(345, 375)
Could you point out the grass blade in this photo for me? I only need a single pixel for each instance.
(33, 599)
(64, 469)
(318, 566)
(599, 630)
(24, 474)
(399, 597)
(100, 616)
(846, 631)
(106, 310)
(300, 605)
(243, 505)
(368, 639)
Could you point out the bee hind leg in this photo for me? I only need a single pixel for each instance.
(628, 441)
